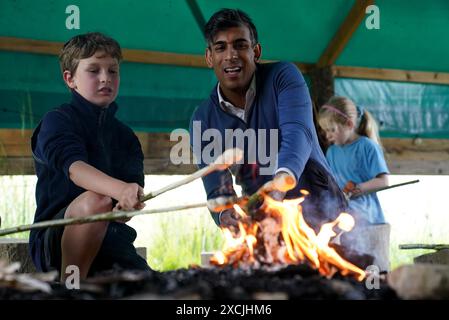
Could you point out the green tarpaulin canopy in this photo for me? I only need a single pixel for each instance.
(159, 98)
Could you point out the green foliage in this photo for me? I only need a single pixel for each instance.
(17, 204)
(179, 239)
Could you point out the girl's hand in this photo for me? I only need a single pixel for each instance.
(356, 191)
(351, 189)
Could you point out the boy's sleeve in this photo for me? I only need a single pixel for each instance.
(217, 183)
(58, 144)
(132, 170)
(295, 119)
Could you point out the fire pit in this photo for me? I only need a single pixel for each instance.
(275, 235)
(291, 282)
(273, 254)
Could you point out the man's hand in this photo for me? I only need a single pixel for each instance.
(128, 199)
(282, 182)
(229, 218)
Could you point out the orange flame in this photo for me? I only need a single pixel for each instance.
(298, 241)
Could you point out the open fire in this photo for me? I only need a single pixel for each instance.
(278, 235)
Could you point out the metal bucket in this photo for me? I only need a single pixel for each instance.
(373, 240)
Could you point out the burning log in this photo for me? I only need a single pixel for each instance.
(276, 234)
(25, 282)
(281, 183)
(363, 260)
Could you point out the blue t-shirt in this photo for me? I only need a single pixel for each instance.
(359, 161)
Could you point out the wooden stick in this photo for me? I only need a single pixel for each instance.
(107, 216)
(281, 183)
(424, 246)
(224, 161)
(384, 188)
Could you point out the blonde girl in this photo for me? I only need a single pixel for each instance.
(355, 156)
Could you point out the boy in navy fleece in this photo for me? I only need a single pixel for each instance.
(253, 96)
(87, 162)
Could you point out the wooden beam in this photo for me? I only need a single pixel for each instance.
(30, 45)
(158, 57)
(344, 33)
(190, 60)
(129, 55)
(417, 156)
(197, 14)
(15, 153)
(391, 74)
(404, 156)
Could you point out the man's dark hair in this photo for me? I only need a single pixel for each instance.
(228, 18)
(84, 46)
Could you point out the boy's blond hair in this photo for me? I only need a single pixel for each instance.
(84, 46)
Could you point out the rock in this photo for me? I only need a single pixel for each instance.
(270, 296)
(420, 281)
(16, 250)
(438, 257)
(373, 240)
(142, 251)
(205, 258)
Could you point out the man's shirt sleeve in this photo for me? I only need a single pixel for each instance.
(217, 183)
(295, 119)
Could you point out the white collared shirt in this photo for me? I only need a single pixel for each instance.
(236, 111)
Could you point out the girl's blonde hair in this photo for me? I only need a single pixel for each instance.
(341, 109)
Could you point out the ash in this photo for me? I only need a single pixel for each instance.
(291, 282)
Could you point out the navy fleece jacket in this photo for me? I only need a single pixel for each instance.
(282, 102)
(76, 131)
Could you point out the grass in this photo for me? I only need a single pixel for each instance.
(417, 214)
(177, 239)
(17, 203)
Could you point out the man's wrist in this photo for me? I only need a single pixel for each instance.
(286, 170)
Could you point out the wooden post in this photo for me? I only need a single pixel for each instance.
(322, 83)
